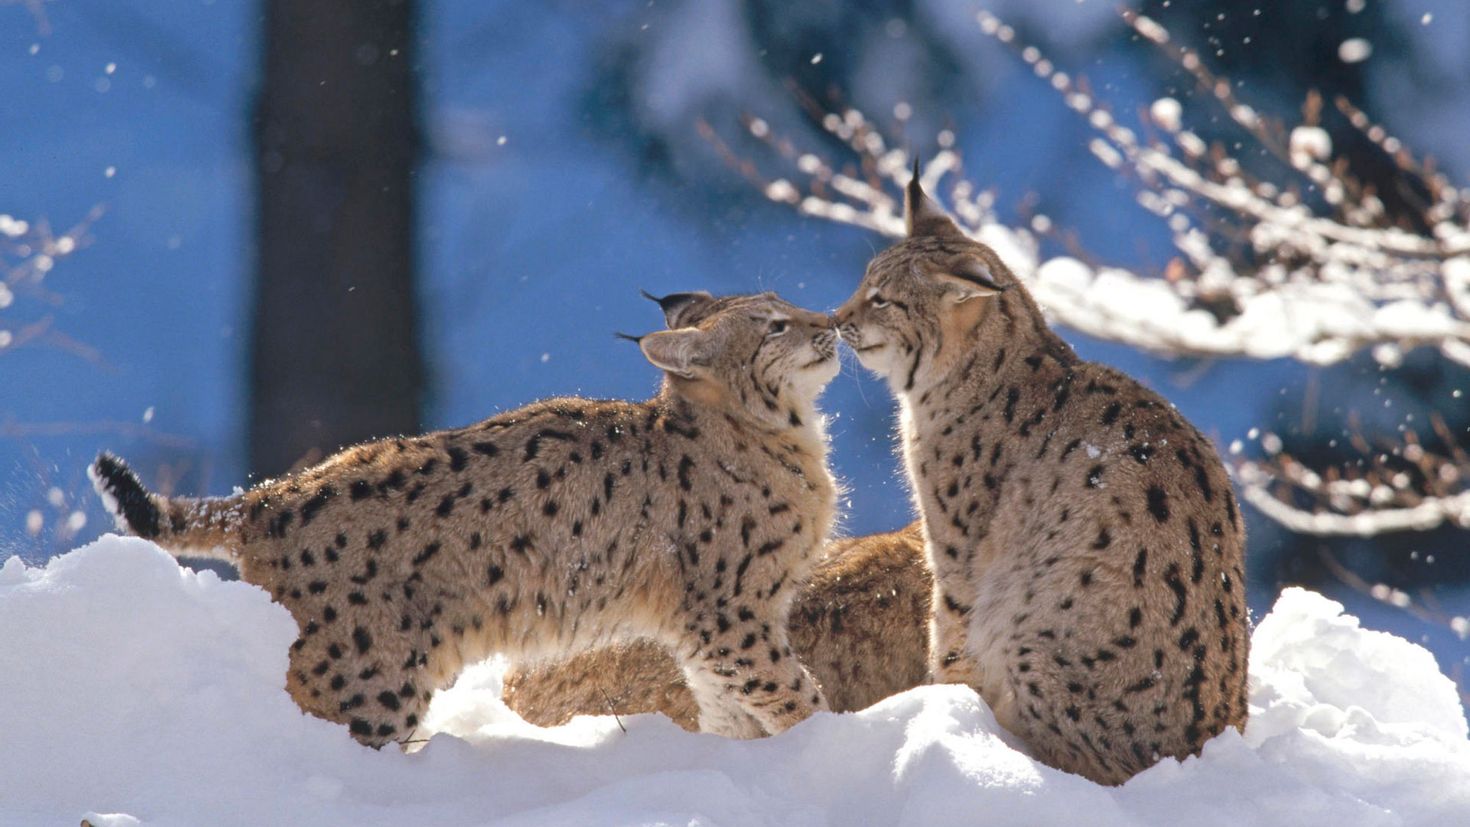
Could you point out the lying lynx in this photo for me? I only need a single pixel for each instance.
(562, 526)
(860, 625)
(1085, 542)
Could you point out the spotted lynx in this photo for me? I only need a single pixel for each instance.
(1085, 542)
(561, 526)
(860, 625)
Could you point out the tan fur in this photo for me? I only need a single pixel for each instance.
(1085, 541)
(860, 625)
(565, 525)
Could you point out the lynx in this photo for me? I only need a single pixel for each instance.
(1085, 542)
(859, 625)
(564, 525)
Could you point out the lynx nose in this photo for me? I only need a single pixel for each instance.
(815, 320)
(843, 315)
(842, 323)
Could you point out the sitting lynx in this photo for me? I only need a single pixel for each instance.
(860, 625)
(561, 526)
(1084, 539)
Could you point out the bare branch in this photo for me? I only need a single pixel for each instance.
(37, 8)
(29, 251)
(10, 429)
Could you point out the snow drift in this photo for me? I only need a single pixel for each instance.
(135, 691)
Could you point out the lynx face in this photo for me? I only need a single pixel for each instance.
(768, 356)
(918, 301)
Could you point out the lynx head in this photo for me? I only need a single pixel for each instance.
(757, 353)
(923, 298)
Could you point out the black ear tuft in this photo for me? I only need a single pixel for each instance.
(628, 337)
(921, 215)
(677, 306)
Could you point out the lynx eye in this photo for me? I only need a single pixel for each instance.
(776, 327)
(878, 302)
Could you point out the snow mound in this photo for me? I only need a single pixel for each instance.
(137, 689)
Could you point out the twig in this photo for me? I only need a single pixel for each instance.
(611, 709)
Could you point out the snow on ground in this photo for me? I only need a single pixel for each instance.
(135, 691)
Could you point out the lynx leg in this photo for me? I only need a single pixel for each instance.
(950, 660)
(720, 712)
(379, 692)
(751, 674)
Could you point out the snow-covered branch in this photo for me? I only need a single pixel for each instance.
(29, 251)
(1311, 267)
(1392, 488)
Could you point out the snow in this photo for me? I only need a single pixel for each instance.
(138, 692)
(11, 227)
(1166, 113)
(1310, 143)
(1354, 50)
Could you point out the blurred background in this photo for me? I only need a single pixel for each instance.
(237, 235)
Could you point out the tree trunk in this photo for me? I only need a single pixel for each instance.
(334, 355)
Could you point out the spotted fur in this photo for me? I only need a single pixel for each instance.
(1086, 543)
(561, 526)
(860, 626)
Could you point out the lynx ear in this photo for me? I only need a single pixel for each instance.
(921, 215)
(969, 280)
(677, 306)
(676, 351)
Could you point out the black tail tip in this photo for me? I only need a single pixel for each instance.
(124, 495)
